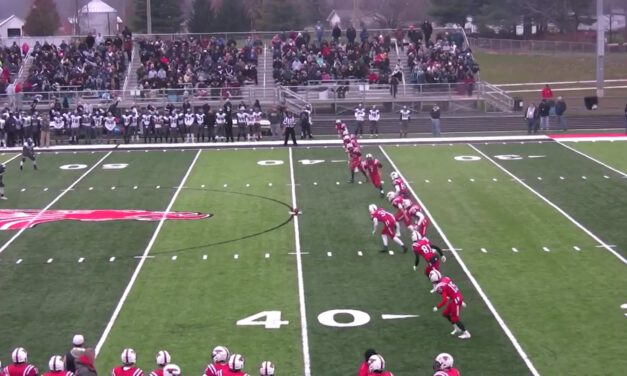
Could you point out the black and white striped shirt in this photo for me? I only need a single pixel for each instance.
(289, 121)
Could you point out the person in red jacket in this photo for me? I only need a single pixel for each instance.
(363, 369)
(57, 367)
(547, 93)
(20, 366)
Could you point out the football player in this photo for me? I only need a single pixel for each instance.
(372, 167)
(354, 163)
(399, 185)
(340, 127)
(19, 365)
(28, 151)
(236, 366)
(431, 253)
(454, 301)
(397, 203)
(363, 369)
(2, 170)
(219, 359)
(57, 367)
(390, 227)
(376, 366)
(162, 358)
(443, 365)
(171, 370)
(266, 369)
(415, 217)
(128, 368)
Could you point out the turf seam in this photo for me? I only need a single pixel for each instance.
(151, 242)
(554, 206)
(497, 316)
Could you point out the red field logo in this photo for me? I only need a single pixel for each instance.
(15, 219)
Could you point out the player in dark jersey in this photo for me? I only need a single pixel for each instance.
(2, 170)
(28, 151)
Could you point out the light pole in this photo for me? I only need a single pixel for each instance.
(148, 18)
(600, 48)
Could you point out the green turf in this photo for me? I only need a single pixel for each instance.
(610, 153)
(51, 302)
(191, 305)
(335, 218)
(554, 302)
(507, 68)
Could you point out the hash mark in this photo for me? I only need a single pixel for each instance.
(174, 257)
(576, 248)
(202, 186)
(112, 259)
(23, 189)
(539, 178)
(545, 249)
(19, 261)
(450, 181)
(247, 185)
(81, 259)
(269, 184)
(329, 254)
(605, 176)
(91, 188)
(236, 256)
(113, 188)
(584, 178)
(226, 185)
(472, 179)
(204, 257)
(337, 183)
(45, 189)
(484, 250)
(49, 261)
(267, 255)
(514, 250)
(360, 253)
(426, 180)
(134, 187)
(391, 253)
(561, 178)
(315, 183)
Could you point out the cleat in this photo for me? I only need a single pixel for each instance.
(35, 167)
(384, 250)
(456, 331)
(3, 198)
(21, 168)
(404, 249)
(465, 335)
(351, 181)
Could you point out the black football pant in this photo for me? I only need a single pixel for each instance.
(289, 132)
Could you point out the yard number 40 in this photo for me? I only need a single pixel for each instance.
(272, 319)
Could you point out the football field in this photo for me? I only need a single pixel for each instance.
(110, 244)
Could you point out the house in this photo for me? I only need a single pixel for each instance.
(11, 27)
(344, 17)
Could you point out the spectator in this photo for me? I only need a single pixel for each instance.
(544, 110)
(414, 35)
(25, 49)
(435, 121)
(393, 86)
(336, 33)
(90, 41)
(405, 117)
(363, 368)
(427, 30)
(363, 35)
(319, 31)
(374, 115)
(274, 117)
(77, 350)
(531, 116)
(85, 364)
(351, 34)
(560, 111)
(547, 93)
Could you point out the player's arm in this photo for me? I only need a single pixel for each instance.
(417, 260)
(444, 300)
(421, 217)
(375, 222)
(438, 250)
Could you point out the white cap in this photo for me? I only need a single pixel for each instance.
(78, 340)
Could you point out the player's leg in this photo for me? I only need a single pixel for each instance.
(2, 196)
(384, 238)
(22, 162)
(32, 158)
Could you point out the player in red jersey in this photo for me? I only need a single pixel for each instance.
(354, 163)
(219, 361)
(390, 227)
(454, 301)
(372, 166)
(236, 366)
(20, 366)
(443, 365)
(431, 253)
(400, 187)
(376, 366)
(340, 127)
(162, 358)
(397, 203)
(414, 215)
(363, 368)
(57, 367)
(1, 370)
(128, 368)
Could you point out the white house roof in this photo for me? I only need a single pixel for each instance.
(97, 6)
(10, 18)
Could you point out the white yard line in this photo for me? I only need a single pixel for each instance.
(301, 284)
(497, 316)
(54, 201)
(560, 210)
(594, 160)
(10, 159)
(118, 308)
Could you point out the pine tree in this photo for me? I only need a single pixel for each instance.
(201, 18)
(43, 19)
(166, 16)
(281, 15)
(230, 17)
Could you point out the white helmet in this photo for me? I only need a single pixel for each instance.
(128, 356)
(267, 369)
(372, 208)
(56, 363)
(163, 358)
(390, 196)
(435, 276)
(19, 355)
(220, 354)
(171, 370)
(376, 363)
(394, 175)
(369, 156)
(407, 203)
(236, 362)
(442, 362)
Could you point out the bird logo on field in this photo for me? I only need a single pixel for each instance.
(17, 219)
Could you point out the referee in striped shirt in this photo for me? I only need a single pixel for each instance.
(289, 123)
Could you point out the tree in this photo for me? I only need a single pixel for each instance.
(454, 11)
(201, 17)
(166, 16)
(43, 19)
(281, 15)
(229, 17)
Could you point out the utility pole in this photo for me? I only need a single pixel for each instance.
(148, 18)
(356, 14)
(600, 48)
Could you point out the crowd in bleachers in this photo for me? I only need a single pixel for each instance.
(297, 59)
(94, 63)
(10, 61)
(198, 62)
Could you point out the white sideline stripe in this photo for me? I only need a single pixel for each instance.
(301, 284)
(581, 227)
(497, 316)
(594, 160)
(54, 201)
(118, 308)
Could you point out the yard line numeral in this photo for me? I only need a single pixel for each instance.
(271, 320)
(358, 318)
